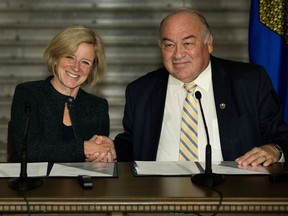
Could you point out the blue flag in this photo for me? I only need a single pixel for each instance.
(268, 43)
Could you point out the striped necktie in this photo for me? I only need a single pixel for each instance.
(188, 149)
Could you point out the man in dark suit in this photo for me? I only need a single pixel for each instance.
(242, 110)
(250, 128)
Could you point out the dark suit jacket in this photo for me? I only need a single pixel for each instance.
(251, 117)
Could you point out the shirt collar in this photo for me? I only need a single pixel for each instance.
(204, 79)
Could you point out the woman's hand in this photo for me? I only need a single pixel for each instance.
(99, 149)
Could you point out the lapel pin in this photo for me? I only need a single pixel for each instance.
(222, 106)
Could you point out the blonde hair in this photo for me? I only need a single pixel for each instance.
(66, 43)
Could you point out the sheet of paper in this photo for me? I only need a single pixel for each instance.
(231, 167)
(165, 168)
(75, 169)
(188, 168)
(13, 169)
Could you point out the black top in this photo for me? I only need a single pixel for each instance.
(68, 133)
(88, 113)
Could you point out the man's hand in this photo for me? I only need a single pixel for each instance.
(265, 155)
(100, 149)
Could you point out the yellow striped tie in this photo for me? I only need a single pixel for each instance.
(188, 149)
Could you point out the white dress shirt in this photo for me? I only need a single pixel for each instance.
(168, 149)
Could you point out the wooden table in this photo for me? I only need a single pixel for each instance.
(140, 195)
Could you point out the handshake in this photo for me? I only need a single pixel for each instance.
(99, 149)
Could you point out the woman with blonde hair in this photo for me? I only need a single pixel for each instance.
(64, 121)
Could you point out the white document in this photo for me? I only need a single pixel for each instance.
(165, 168)
(232, 168)
(13, 169)
(188, 168)
(75, 169)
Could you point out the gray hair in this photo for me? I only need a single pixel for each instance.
(207, 31)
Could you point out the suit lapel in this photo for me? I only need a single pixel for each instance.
(224, 105)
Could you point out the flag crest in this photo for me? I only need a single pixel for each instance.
(274, 15)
